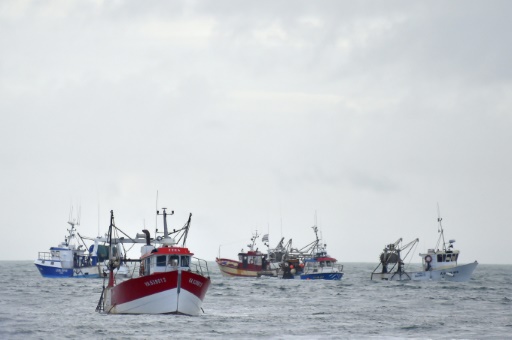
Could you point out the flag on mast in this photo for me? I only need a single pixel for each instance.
(264, 238)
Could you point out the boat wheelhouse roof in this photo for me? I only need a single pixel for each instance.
(251, 253)
(169, 251)
(58, 248)
(320, 259)
(440, 251)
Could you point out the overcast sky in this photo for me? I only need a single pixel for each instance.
(256, 116)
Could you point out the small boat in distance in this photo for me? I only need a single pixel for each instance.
(70, 258)
(169, 282)
(438, 265)
(252, 263)
(321, 266)
(391, 266)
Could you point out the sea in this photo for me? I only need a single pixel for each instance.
(33, 307)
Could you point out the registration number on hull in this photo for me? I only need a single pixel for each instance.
(155, 282)
(195, 282)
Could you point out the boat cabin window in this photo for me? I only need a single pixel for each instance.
(255, 260)
(447, 257)
(160, 261)
(185, 261)
(174, 261)
(328, 263)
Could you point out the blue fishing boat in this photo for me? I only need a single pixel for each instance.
(321, 266)
(72, 258)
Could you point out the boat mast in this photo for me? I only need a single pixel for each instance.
(315, 248)
(111, 261)
(166, 231)
(440, 229)
(156, 216)
(253, 240)
(166, 240)
(72, 222)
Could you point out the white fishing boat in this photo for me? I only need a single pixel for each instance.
(439, 263)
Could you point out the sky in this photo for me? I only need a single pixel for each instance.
(361, 117)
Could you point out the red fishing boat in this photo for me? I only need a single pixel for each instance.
(171, 280)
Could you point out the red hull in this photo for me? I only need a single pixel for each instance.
(140, 287)
(173, 284)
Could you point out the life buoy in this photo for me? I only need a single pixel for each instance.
(428, 258)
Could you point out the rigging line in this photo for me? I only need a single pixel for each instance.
(124, 250)
(413, 247)
(380, 263)
(119, 230)
(85, 245)
(133, 245)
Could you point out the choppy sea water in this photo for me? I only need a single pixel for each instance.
(32, 307)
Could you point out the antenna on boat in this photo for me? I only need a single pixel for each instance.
(79, 215)
(440, 229)
(315, 248)
(98, 215)
(253, 240)
(70, 213)
(316, 224)
(156, 216)
(71, 222)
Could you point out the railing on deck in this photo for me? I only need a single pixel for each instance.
(200, 266)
